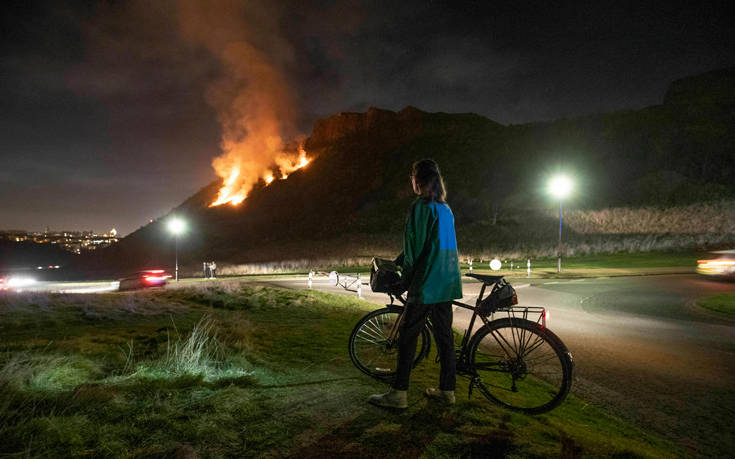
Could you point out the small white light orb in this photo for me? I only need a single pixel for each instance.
(495, 264)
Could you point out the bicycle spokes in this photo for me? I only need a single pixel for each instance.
(372, 346)
(518, 365)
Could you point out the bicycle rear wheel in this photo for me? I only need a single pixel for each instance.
(521, 365)
(369, 346)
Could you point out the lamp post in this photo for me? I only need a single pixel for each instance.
(176, 226)
(560, 187)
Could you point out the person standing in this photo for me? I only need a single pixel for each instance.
(213, 269)
(430, 266)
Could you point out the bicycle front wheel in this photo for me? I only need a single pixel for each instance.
(521, 365)
(370, 348)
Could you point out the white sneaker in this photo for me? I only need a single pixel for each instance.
(391, 399)
(444, 396)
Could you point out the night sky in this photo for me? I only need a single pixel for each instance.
(106, 117)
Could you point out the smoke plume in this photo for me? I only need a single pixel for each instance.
(252, 99)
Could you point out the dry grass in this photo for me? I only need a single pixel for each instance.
(716, 218)
(290, 266)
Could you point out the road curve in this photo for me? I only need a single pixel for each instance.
(642, 349)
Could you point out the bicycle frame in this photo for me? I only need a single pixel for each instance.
(514, 312)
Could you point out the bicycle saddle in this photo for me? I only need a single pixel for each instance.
(485, 278)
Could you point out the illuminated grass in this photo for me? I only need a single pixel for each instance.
(245, 371)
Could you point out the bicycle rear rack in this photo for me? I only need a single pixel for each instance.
(524, 312)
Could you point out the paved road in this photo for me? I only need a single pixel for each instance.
(642, 349)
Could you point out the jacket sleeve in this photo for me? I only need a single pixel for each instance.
(414, 239)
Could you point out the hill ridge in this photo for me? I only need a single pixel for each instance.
(356, 187)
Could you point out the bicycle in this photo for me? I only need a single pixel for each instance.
(513, 361)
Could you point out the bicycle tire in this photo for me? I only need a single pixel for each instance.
(520, 365)
(369, 349)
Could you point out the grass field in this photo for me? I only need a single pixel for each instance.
(723, 303)
(236, 369)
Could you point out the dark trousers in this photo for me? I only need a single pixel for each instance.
(413, 323)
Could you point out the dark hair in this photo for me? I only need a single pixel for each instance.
(429, 179)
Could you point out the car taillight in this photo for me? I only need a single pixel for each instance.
(152, 279)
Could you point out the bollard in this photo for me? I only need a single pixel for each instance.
(528, 269)
(311, 277)
(470, 262)
(359, 286)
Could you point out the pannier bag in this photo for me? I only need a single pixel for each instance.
(385, 277)
(502, 296)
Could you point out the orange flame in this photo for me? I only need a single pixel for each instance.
(228, 192)
(287, 164)
(234, 190)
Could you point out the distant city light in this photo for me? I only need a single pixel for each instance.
(560, 186)
(71, 241)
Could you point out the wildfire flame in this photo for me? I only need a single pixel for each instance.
(234, 191)
(287, 164)
(228, 192)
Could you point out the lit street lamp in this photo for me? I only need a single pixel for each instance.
(176, 226)
(560, 187)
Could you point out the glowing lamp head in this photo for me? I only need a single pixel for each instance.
(560, 186)
(176, 225)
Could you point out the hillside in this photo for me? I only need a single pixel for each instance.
(351, 199)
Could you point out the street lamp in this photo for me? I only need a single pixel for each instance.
(560, 187)
(176, 226)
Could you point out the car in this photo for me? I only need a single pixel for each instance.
(144, 279)
(720, 263)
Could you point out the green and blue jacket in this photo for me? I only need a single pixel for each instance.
(430, 261)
